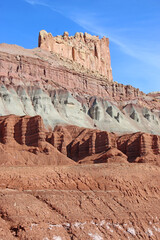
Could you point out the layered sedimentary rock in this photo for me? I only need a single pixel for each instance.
(94, 146)
(89, 51)
(25, 141)
(37, 82)
(90, 142)
(36, 67)
(104, 201)
(41, 200)
(138, 145)
(24, 130)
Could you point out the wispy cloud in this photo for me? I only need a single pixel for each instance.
(37, 2)
(141, 49)
(96, 24)
(43, 3)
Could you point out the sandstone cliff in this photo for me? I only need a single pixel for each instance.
(89, 51)
(94, 146)
(25, 141)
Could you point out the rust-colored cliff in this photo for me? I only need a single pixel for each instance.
(90, 51)
(27, 142)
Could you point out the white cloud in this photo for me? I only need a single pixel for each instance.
(141, 49)
(43, 3)
(36, 2)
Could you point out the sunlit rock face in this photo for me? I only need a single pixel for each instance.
(90, 51)
(25, 141)
(38, 82)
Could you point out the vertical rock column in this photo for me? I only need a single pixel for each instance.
(156, 144)
(7, 131)
(92, 141)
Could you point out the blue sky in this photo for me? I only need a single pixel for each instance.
(133, 27)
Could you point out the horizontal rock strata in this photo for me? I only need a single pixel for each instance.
(86, 202)
(37, 82)
(94, 144)
(42, 69)
(25, 141)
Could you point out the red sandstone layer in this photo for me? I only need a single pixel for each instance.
(25, 141)
(26, 68)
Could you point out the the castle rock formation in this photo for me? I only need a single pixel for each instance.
(89, 51)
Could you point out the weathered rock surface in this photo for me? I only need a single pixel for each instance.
(87, 50)
(45, 70)
(140, 146)
(103, 201)
(95, 146)
(25, 141)
(37, 82)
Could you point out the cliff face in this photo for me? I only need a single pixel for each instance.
(21, 67)
(140, 147)
(27, 139)
(37, 82)
(90, 51)
(23, 143)
(24, 130)
(40, 200)
(94, 146)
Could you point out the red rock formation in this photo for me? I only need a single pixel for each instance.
(90, 51)
(85, 202)
(60, 138)
(139, 145)
(23, 142)
(93, 146)
(23, 130)
(28, 75)
(82, 142)
(87, 145)
(41, 69)
(33, 145)
(111, 155)
(111, 200)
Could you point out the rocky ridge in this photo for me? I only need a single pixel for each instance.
(37, 82)
(24, 141)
